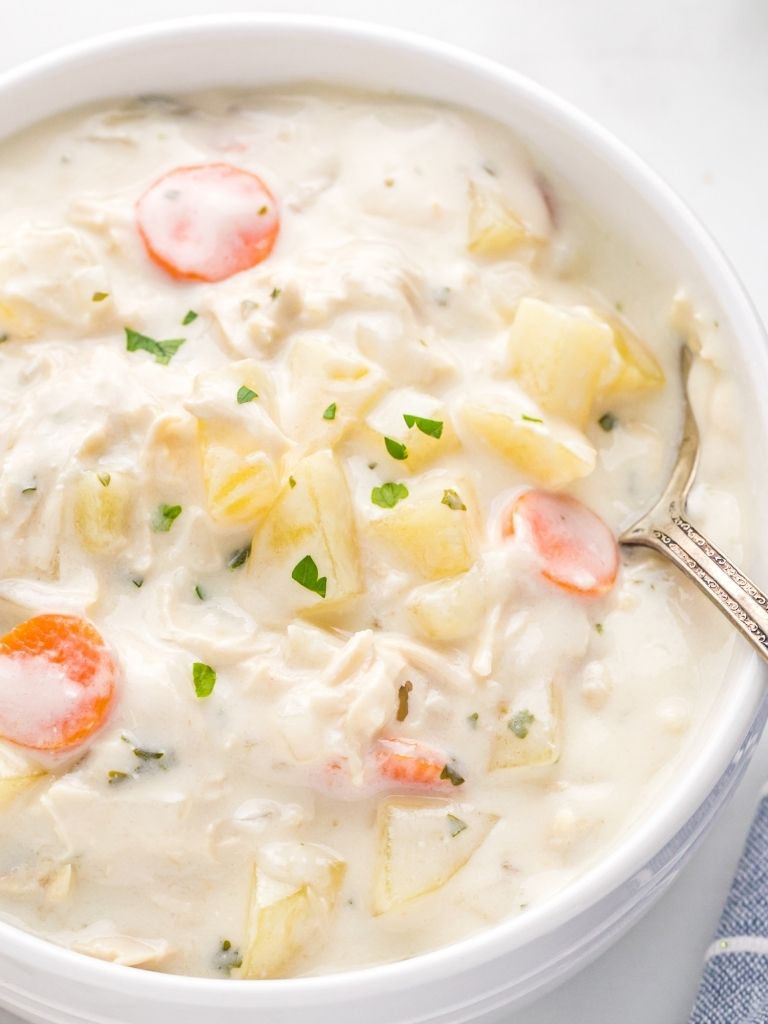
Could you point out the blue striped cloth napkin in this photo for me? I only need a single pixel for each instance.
(734, 986)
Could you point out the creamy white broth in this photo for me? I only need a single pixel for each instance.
(148, 860)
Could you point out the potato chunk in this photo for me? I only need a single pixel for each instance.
(494, 229)
(312, 516)
(449, 610)
(388, 420)
(528, 730)
(102, 511)
(430, 533)
(635, 368)
(17, 774)
(286, 913)
(559, 357)
(541, 447)
(422, 843)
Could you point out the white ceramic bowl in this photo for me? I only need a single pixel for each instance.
(518, 959)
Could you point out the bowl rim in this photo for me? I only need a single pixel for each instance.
(628, 855)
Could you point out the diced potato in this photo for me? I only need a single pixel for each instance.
(422, 843)
(312, 516)
(102, 511)
(59, 884)
(559, 358)
(323, 376)
(528, 730)
(48, 281)
(429, 536)
(386, 420)
(241, 447)
(450, 609)
(17, 774)
(495, 229)
(284, 916)
(634, 367)
(541, 447)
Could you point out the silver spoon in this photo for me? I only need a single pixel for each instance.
(666, 529)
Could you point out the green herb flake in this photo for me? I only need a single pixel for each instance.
(227, 958)
(450, 773)
(189, 317)
(432, 428)
(29, 490)
(403, 694)
(456, 825)
(305, 573)
(275, 293)
(330, 412)
(99, 296)
(263, 210)
(164, 518)
(239, 557)
(4, 337)
(114, 777)
(104, 479)
(607, 421)
(291, 482)
(388, 495)
(245, 394)
(452, 499)
(199, 592)
(599, 628)
(163, 351)
(473, 719)
(137, 582)
(396, 449)
(148, 755)
(531, 419)
(520, 723)
(204, 678)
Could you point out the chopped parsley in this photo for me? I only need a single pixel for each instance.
(291, 482)
(403, 694)
(305, 573)
(396, 449)
(607, 421)
(137, 582)
(227, 957)
(148, 755)
(263, 210)
(450, 773)
(330, 412)
(456, 825)
(275, 293)
(204, 678)
(453, 501)
(114, 777)
(189, 316)
(99, 296)
(239, 557)
(432, 428)
(388, 495)
(599, 628)
(164, 518)
(520, 723)
(3, 337)
(473, 719)
(30, 489)
(103, 479)
(163, 351)
(531, 419)
(245, 394)
(200, 593)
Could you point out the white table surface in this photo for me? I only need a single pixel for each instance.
(686, 84)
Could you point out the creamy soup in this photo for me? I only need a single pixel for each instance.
(319, 416)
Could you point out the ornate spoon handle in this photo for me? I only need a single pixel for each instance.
(666, 529)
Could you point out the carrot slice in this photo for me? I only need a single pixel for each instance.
(577, 550)
(57, 682)
(207, 222)
(409, 763)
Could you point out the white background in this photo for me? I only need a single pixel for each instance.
(686, 83)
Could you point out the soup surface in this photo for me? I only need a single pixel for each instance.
(319, 414)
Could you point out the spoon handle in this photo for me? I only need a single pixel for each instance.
(737, 597)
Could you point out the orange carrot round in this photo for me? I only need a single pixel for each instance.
(409, 763)
(577, 551)
(57, 683)
(207, 222)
